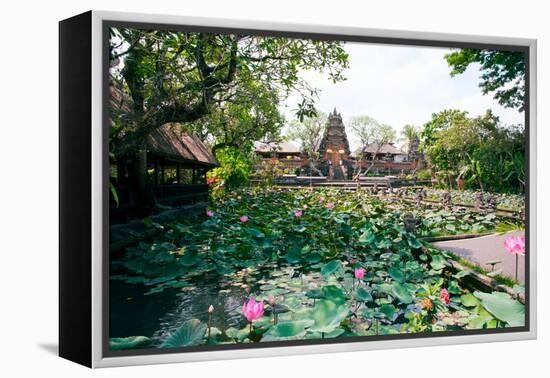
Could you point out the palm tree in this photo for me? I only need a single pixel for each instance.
(408, 133)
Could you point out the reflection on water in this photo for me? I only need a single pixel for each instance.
(157, 315)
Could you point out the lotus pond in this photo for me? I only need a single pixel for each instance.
(264, 265)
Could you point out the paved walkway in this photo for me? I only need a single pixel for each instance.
(486, 248)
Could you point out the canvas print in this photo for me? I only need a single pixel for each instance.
(275, 189)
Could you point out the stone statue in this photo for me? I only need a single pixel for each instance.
(410, 222)
(446, 200)
(479, 202)
(420, 195)
(491, 202)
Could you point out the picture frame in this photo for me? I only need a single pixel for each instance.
(85, 196)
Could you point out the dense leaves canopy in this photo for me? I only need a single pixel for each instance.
(479, 150)
(227, 88)
(502, 73)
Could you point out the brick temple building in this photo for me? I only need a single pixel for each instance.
(334, 148)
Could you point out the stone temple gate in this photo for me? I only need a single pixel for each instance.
(334, 152)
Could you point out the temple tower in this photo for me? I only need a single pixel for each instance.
(334, 147)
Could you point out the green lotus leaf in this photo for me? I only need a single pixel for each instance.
(388, 310)
(191, 332)
(414, 242)
(288, 330)
(438, 262)
(401, 292)
(331, 267)
(363, 295)
(469, 300)
(330, 335)
(334, 294)
(293, 255)
(503, 307)
(327, 316)
(132, 342)
(396, 274)
(315, 294)
(254, 232)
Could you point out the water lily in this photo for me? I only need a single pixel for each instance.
(359, 273)
(298, 213)
(253, 310)
(210, 311)
(244, 218)
(516, 246)
(330, 205)
(209, 213)
(445, 296)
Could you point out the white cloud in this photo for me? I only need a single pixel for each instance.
(399, 85)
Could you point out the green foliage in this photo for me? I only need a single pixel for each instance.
(132, 342)
(502, 73)
(306, 264)
(309, 133)
(190, 333)
(479, 152)
(234, 167)
(223, 87)
(368, 130)
(290, 330)
(327, 316)
(503, 307)
(408, 134)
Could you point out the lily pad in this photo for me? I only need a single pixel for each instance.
(327, 316)
(396, 274)
(401, 292)
(503, 307)
(363, 294)
(132, 342)
(288, 330)
(331, 267)
(438, 262)
(189, 333)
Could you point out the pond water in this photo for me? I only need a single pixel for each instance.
(157, 315)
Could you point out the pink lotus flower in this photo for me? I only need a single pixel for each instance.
(359, 273)
(210, 309)
(330, 205)
(515, 245)
(244, 218)
(271, 300)
(322, 199)
(253, 310)
(445, 296)
(209, 213)
(305, 207)
(298, 213)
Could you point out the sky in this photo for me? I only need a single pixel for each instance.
(400, 85)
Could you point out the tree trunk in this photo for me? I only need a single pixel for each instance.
(144, 190)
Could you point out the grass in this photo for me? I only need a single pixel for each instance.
(503, 280)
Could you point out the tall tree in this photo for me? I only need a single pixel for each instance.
(181, 77)
(479, 151)
(309, 133)
(408, 134)
(502, 73)
(370, 132)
